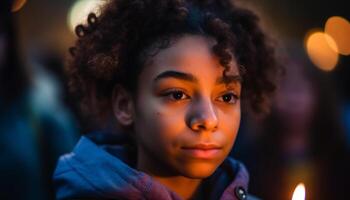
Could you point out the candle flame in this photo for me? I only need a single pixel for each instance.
(299, 192)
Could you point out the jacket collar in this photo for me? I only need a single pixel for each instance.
(103, 173)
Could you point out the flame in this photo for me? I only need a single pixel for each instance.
(299, 192)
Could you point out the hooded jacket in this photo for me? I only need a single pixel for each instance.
(100, 171)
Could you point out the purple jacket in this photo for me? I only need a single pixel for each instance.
(101, 172)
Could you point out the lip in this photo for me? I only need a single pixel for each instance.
(203, 146)
(202, 151)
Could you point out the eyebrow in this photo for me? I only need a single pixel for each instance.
(177, 75)
(191, 78)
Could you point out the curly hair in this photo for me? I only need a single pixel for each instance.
(112, 48)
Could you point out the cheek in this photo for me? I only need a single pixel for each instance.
(229, 124)
(159, 123)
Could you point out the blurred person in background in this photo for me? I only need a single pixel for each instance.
(35, 128)
(302, 140)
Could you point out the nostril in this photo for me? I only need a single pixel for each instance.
(213, 128)
(203, 126)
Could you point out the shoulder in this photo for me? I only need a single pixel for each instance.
(69, 179)
(92, 172)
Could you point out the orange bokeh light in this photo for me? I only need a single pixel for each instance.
(17, 5)
(322, 50)
(339, 29)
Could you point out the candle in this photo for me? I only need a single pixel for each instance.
(299, 192)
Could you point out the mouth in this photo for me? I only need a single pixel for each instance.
(202, 151)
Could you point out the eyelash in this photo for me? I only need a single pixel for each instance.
(233, 99)
(171, 95)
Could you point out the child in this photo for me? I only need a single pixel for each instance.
(163, 82)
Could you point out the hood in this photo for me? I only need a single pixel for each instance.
(99, 171)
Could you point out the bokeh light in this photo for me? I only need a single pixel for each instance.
(322, 50)
(17, 5)
(339, 29)
(80, 10)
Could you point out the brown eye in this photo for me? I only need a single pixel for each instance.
(230, 98)
(227, 98)
(176, 95)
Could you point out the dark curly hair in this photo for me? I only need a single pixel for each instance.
(112, 48)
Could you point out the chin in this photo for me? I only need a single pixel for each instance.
(198, 170)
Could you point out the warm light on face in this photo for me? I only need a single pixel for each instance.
(187, 118)
(81, 9)
(321, 50)
(299, 192)
(17, 5)
(339, 29)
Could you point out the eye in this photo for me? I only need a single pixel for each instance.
(230, 98)
(176, 95)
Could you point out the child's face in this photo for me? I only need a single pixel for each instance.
(186, 117)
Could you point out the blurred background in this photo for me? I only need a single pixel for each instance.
(305, 139)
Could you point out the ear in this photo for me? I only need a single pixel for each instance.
(123, 106)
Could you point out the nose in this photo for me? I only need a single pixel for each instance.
(202, 117)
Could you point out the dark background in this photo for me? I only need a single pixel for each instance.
(42, 25)
(43, 38)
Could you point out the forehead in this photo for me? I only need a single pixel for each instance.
(190, 54)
